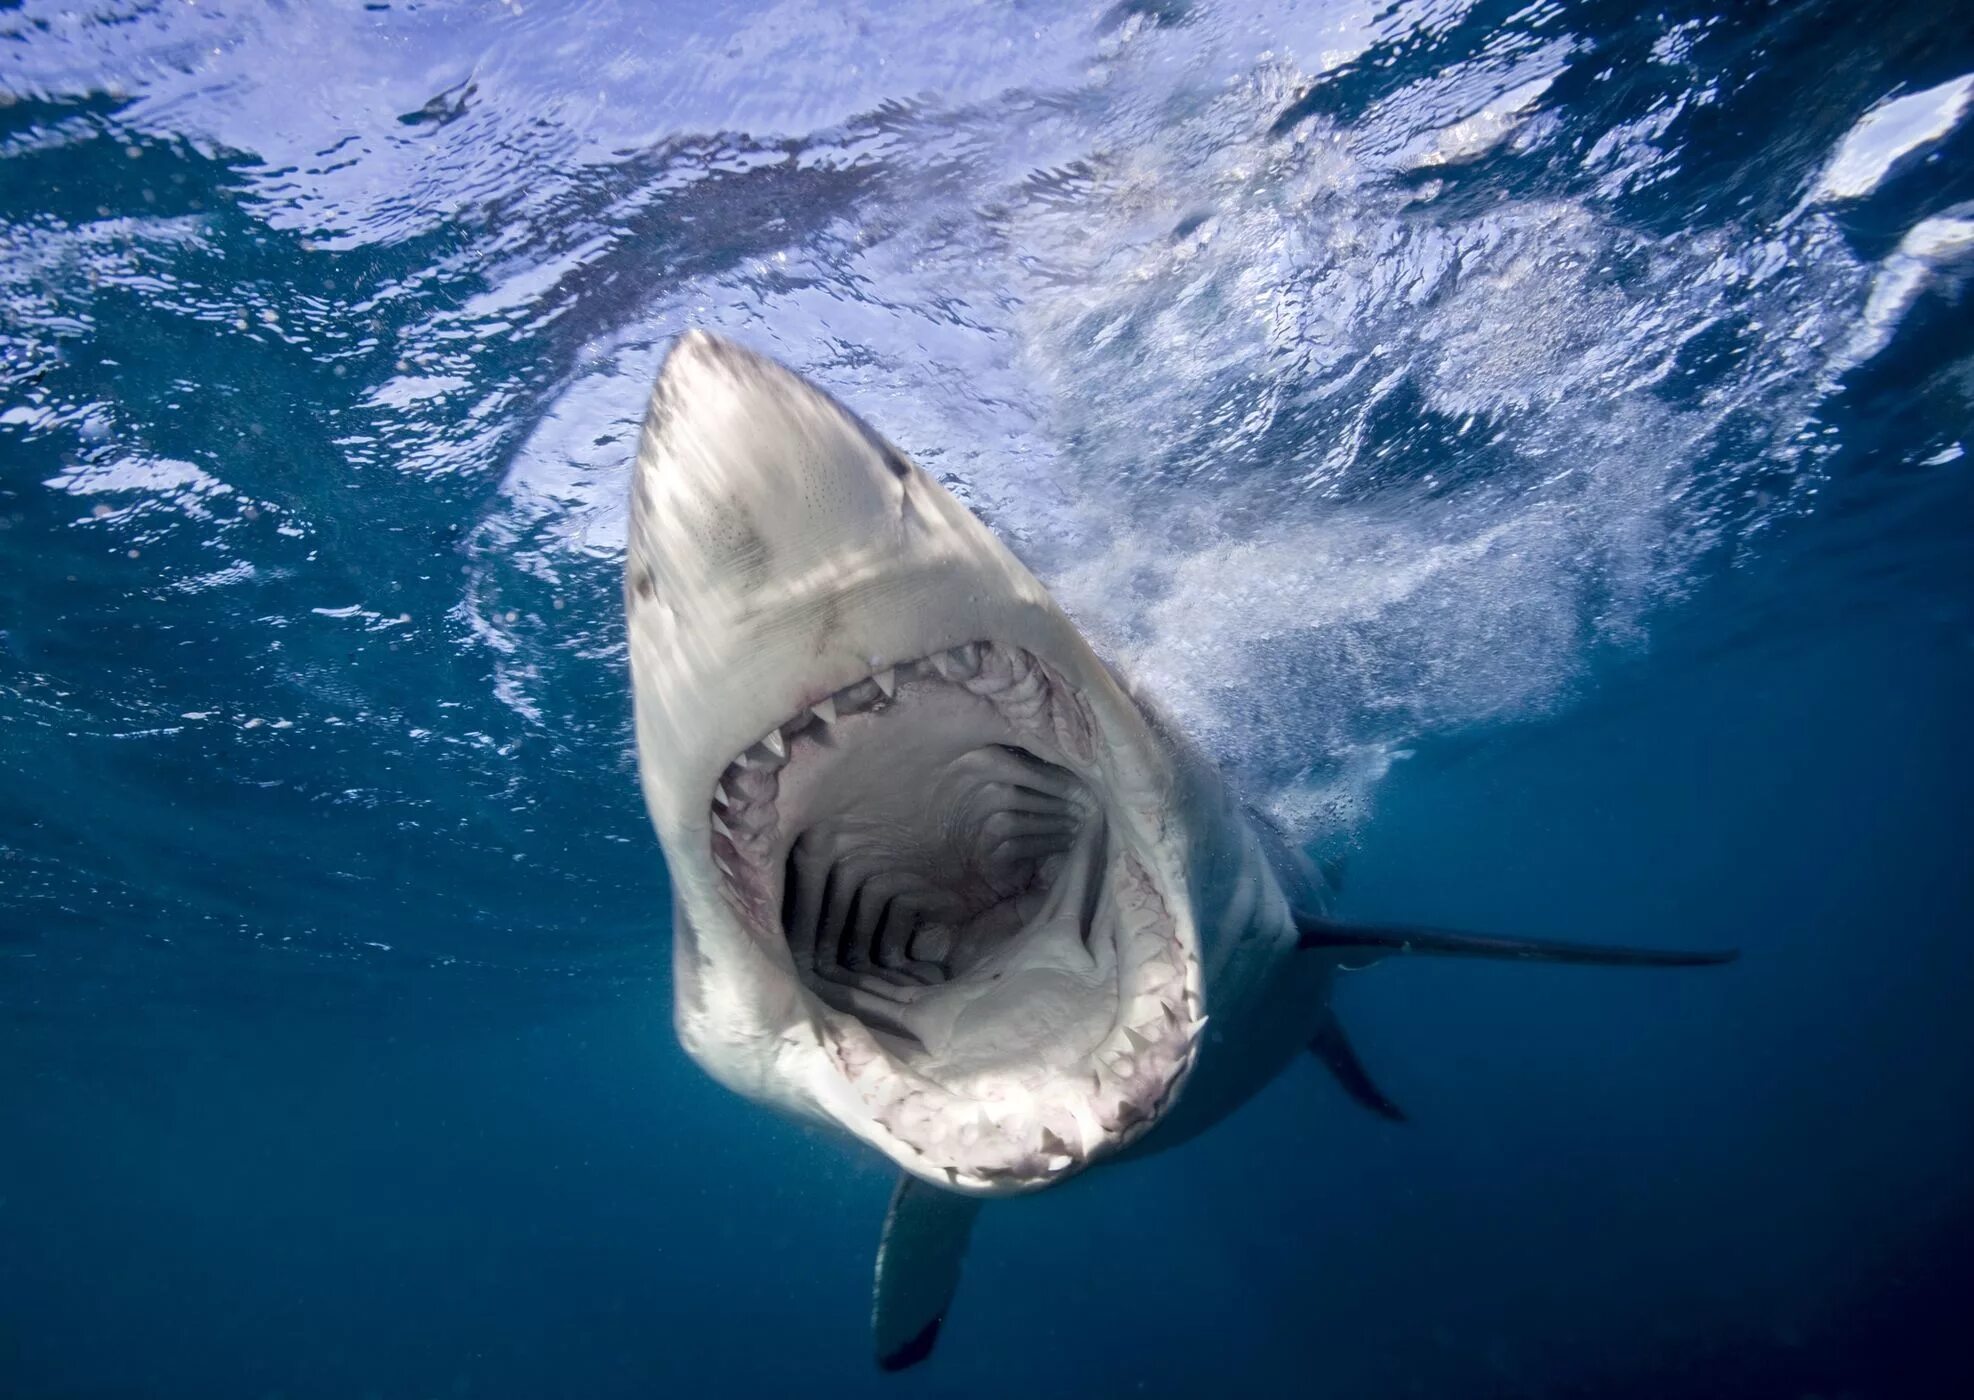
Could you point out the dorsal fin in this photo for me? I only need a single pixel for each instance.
(1360, 945)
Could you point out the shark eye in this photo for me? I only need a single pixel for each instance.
(894, 460)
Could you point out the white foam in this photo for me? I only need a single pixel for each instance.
(1889, 133)
(1931, 248)
(1328, 474)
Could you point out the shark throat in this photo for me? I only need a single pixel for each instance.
(955, 890)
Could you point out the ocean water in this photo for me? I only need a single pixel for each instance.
(1525, 443)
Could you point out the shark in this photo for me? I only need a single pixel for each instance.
(942, 878)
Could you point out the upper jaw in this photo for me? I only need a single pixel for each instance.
(780, 551)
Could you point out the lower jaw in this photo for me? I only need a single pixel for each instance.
(1022, 1107)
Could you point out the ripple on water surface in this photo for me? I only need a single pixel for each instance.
(1341, 367)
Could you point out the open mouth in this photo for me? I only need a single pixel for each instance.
(970, 911)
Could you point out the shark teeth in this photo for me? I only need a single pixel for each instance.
(995, 1130)
(855, 699)
(1031, 695)
(961, 663)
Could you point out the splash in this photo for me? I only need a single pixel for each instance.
(1329, 433)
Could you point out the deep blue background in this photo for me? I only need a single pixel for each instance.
(335, 1054)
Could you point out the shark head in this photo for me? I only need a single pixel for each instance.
(928, 860)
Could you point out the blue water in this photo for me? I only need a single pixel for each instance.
(1525, 443)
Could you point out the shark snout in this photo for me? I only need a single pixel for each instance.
(780, 550)
(762, 480)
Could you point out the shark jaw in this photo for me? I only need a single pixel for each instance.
(994, 974)
(928, 874)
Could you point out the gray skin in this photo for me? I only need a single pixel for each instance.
(941, 879)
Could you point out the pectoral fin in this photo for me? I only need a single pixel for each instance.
(1333, 1048)
(1357, 947)
(918, 1267)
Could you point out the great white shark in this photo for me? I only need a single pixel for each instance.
(942, 878)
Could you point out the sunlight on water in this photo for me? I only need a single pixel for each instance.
(1328, 454)
(1332, 365)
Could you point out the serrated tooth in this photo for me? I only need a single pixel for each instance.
(1054, 1145)
(960, 663)
(721, 795)
(775, 744)
(995, 673)
(722, 827)
(856, 698)
(1137, 1042)
(725, 869)
(1127, 1114)
(824, 710)
(1089, 1132)
(887, 681)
